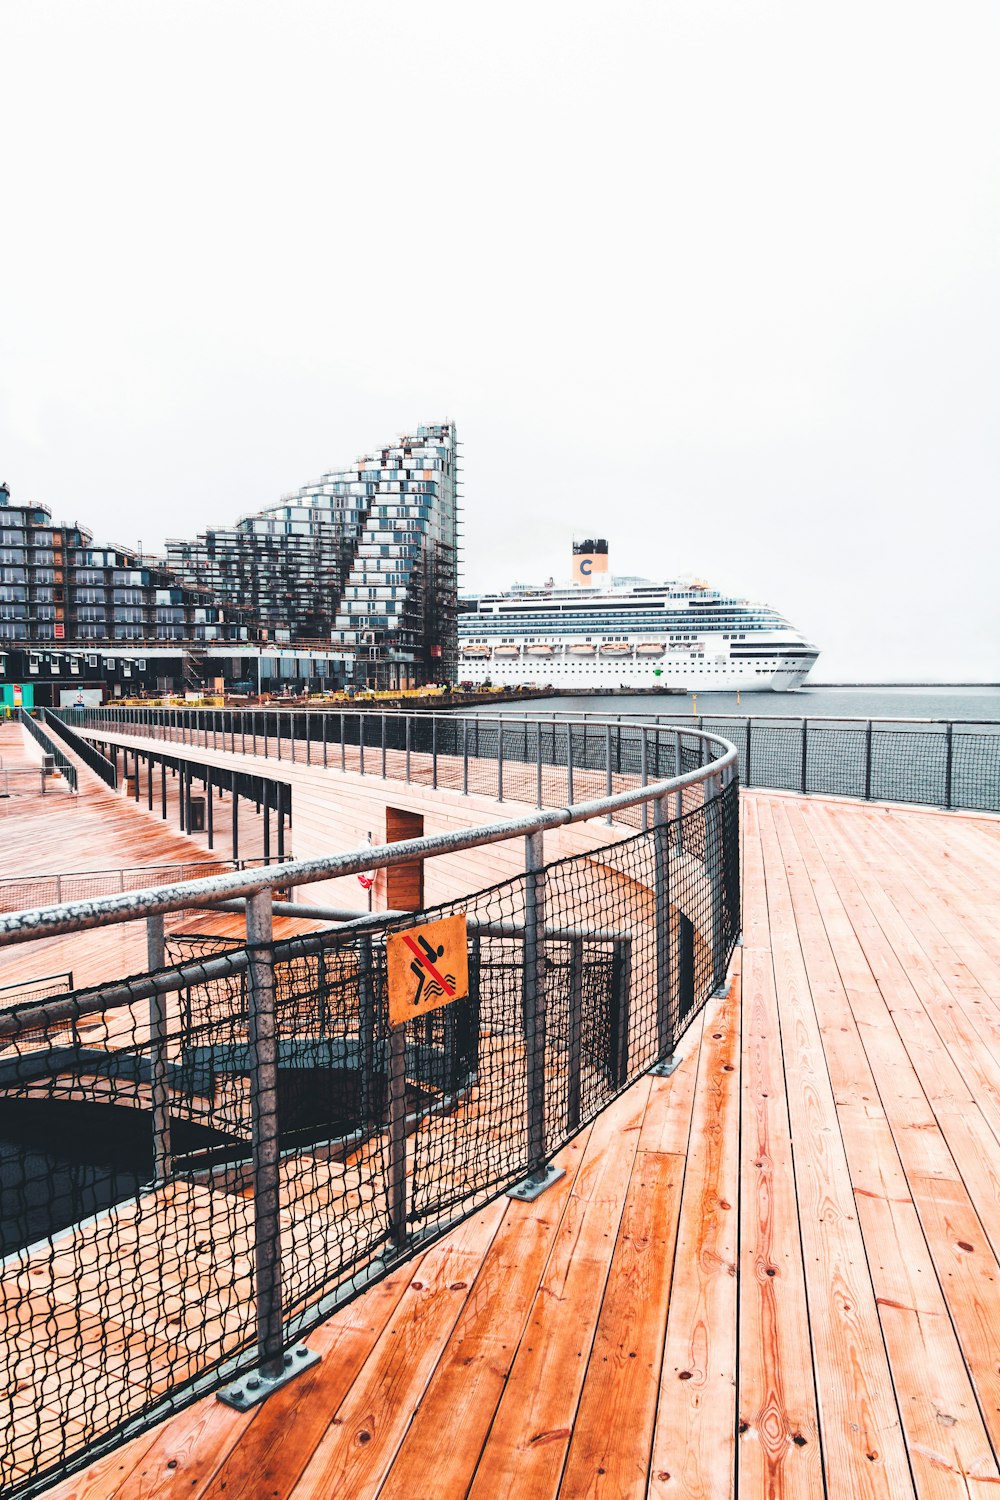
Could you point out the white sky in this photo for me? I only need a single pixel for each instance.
(716, 280)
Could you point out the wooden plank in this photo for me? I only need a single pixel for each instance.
(362, 1438)
(527, 1443)
(968, 1280)
(450, 1425)
(779, 1452)
(694, 1439)
(863, 1448)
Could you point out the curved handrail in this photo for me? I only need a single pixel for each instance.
(78, 916)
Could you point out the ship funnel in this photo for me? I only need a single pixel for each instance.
(590, 561)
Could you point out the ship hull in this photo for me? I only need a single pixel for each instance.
(782, 675)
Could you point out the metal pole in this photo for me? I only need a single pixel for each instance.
(309, 748)
(236, 817)
(949, 762)
(361, 744)
(607, 761)
(644, 771)
(343, 745)
(569, 765)
(323, 721)
(383, 747)
(868, 761)
(805, 752)
(661, 855)
(397, 1135)
(434, 752)
(409, 746)
(465, 757)
(163, 789)
(158, 1055)
(499, 760)
(366, 1020)
(746, 780)
(538, 765)
(533, 1005)
(264, 1112)
(575, 1037)
(266, 810)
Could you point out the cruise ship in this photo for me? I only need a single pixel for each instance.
(627, 633)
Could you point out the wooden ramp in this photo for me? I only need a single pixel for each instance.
(774, 1274)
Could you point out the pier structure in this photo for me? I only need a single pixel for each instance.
(770, 1270)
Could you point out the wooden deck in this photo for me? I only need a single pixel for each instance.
(96, 829)
(773, 1274)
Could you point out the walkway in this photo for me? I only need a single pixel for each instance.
(777, 1269)
(98, 829)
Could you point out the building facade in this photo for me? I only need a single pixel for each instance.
(364, 562)
(353, 581)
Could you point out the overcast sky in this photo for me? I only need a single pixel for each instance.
(716, 280)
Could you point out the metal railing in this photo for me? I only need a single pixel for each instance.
(60, 760)
(950, 763)
(530, 760)
(104, 768)
(17, 893)
(296, 1144)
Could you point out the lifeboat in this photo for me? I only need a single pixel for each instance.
(506, 651)
(582, 648)
(650, 648)
(540, 650)
(616, 648)
(476, 651)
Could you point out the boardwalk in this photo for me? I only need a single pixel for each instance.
(773, 1274)
(98, 829)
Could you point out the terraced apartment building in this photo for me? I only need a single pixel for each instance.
(353, 580)
(364, 560)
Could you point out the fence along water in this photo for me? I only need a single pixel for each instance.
(288, 1147)
(943, 763)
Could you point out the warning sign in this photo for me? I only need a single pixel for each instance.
(428, 968)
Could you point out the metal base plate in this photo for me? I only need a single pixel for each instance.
(665, 1067)
(246, 1392)
(533, 1187)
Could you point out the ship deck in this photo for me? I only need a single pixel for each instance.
(774, 1273)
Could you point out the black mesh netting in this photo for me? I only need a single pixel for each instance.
(128, 1199)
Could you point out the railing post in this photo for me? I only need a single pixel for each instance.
(575, 1037)
(465, 757)
(747, 781)
(158, 1056)
(868, 761)
(949, 763)
(397, 1136)
(499, 759)
(434, 752)
(323, 720)
(361, 743)
(264, 1112)
(538, 748)
(309, 748)
(715, 861)
(644, 773)
(661, 857)
(274, 1366)
(569, 764)
(805, 753)
(678, 795)
(343, 742)
(533, 993)
(383, 749)
(366, 1021)
(409, 746)
(609, 785)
